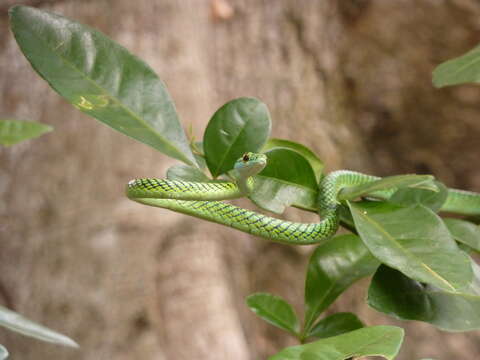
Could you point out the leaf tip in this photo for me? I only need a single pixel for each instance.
(71, 343)
(437, 83)
(64, 340)
(13, 9)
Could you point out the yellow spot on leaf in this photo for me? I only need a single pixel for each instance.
(91, 102)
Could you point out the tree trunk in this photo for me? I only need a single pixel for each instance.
(349, 79)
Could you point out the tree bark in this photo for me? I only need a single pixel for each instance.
(349, 79)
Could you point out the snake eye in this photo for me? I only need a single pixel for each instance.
(245, 157)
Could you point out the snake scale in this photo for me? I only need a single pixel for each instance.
(203, 200)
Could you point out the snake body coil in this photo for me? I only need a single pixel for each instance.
(199, 199)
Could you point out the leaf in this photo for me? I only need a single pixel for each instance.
(100, 78)
(186, 173)
(464, 231)
(239, 126)
(387, 183)
(15, 131)
(374, 340)
(3, 352)
(415, 241)
(430, 199)
(312, 158)
(16, 322)
(333, 267)
(275, 195)
(288, 179)
(463, 69)
(290, 167)
(335, 324)
(393, 293)
(274, 310)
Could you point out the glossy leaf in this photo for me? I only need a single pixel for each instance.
(465, 232)
(335, 324)
(239, 126)
(186, 173)
(415, 241)
(288, 179)
(274, 310)
(100, 78)
(387, 183)
(289, 166)
(393, 293)
(430, 199)
(312, 158)
(22, 325)
(275, 195)
(463, 69)
(15, 131)
(3, 352)
(333, 267)
(382, 341)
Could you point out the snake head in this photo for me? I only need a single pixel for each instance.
(250, 164)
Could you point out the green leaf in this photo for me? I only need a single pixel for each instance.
(186, 173)
(382, 341)
(274, 310)
(312, 158)
(290, 167)
(387, 183)
(239, 126)
(415, 241)
(463, 69)
(428, 198)
(333, 267)
(335, 324)
(393, 293)
(14, 131)
(3, 352)
(288, 179)
(16, 322)
(100, 78)
(464, 231)
(275, 195)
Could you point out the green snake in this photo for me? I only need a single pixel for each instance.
(202, 200)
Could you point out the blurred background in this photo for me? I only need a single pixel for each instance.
(350, 79)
